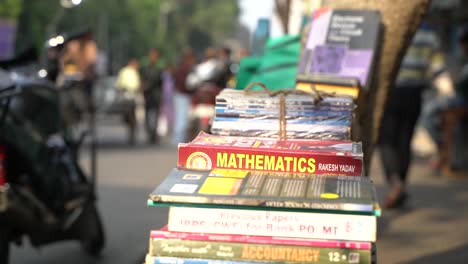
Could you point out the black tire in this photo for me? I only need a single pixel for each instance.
(91, 230)
(4, 247)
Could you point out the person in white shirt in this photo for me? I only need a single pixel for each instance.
(128, 78)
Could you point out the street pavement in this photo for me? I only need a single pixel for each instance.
(432, 229)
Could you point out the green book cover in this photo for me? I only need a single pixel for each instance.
(256, 252)
(267, 191)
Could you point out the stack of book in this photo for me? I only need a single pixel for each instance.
(256, 115)
(251, 200)
(245, 196)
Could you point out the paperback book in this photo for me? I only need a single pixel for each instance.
(231, 98)
(207, 151)
(267, 191)
(165, 234)
(270, 130)
(173, 260)
(340, 50)
(261, 252)
(311, 225)
(238, 113)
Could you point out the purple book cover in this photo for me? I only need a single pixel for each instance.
(340, 44)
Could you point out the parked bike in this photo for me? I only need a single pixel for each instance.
(44, 193)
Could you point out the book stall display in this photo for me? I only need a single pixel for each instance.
(281, 178)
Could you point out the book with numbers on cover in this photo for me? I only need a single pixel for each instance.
(267, 191)
(249, 248)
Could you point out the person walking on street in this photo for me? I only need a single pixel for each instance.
(128, 79)
(128, 84)
(151, 87)
(432, 114)
(420, 64)
(182, 97)
(224, 55)
(168, 87)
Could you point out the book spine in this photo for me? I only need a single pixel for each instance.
(365, 209)
(304, 134)
(273, 223)
(332, 89)
(328, 80)
(274, 112)
(276, 160)
(255, 252)
(160, 234)
(331, 121)
(173, 260)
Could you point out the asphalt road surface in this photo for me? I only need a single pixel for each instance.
(432, 229)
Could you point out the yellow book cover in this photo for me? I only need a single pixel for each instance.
(333, 89)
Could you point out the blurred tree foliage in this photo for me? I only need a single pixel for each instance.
(32, 22)
(10, 9)
(128, 28)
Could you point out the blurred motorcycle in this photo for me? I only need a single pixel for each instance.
(204, 82)
(44, 193)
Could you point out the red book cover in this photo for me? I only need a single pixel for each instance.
(319, 157)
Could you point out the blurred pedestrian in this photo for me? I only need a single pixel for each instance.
(77, 69)
(244, 52)
(152, 91)
(128, 85)
(128, 79)
(78, 59)
(431, 117)
(89, 53)
(209, 53)
(420, 64)
(224, 55)
(52, 63)
(167, 109)
(182, 97)
(69, 61)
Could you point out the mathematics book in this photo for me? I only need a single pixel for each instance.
(310, 225)
(256, 190)
(249, 249)
(340, 50)
(320, 157)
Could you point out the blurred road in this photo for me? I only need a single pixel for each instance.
(433, 229)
